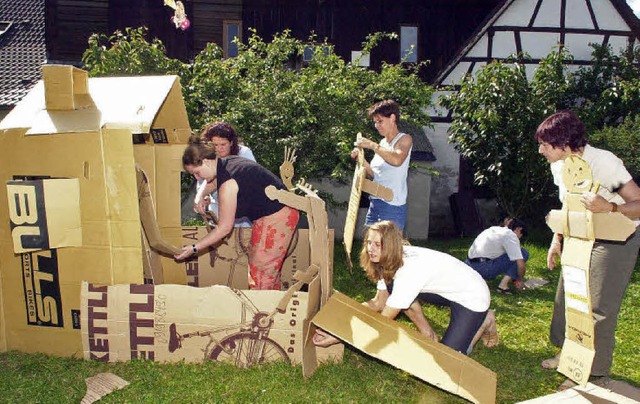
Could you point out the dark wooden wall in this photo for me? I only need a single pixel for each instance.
(70, 23)
(443, 25)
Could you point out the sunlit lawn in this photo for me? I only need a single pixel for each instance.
(523, 322)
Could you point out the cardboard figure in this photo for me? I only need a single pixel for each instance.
(360, 183)
(580, 227)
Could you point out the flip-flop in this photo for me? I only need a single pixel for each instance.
(506, 291)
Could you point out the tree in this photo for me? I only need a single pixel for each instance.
(274, 98)
(608, 90)
(495, 115)
(622, 140)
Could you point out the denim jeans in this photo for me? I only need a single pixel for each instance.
(490, 269)
(380, 210)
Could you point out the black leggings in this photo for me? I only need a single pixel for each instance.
(463, 323)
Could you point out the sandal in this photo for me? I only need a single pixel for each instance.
(505, 291)
(551, 363)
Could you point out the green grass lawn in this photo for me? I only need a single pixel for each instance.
(523, 322)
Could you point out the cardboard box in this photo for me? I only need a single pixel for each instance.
(81, 132)
(116, 144)
(171, 323)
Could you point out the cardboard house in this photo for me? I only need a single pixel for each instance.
(91, 171)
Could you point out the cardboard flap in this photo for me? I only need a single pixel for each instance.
(607, 226)
(406, 349)
(148, 218)
(74, 121)
(62, 83)
(378, 190)
(44, 214)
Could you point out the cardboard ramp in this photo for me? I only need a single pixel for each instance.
(406, 349)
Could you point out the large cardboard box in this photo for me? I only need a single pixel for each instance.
(92, 169)
(79, 133)
(171, 323)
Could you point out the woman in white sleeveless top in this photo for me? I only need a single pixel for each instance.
(390, 164)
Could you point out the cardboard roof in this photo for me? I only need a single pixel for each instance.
(114, 102)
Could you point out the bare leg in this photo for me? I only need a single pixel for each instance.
(504, 282)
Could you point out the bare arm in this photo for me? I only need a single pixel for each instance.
(630, 192)
(199, 202)
(228, 195)
(555, 251)
(416, 315)
(394, 156)
(379, 302)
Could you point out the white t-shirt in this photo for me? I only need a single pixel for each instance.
(607, 169)
(430, 271)
(213, 206)
(391, 176)
(494, 242)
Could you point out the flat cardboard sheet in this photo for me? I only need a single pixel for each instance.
(44, 214)
(406, 349)
(172, 323)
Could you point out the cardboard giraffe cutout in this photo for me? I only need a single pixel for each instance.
(580, 227)
(360, 183)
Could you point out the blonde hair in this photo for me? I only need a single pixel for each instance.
(391, 242)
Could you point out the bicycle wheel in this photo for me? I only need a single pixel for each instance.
(244, 349)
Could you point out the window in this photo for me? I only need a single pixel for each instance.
(231, 30)
(309, 51)
(362, 59)
(409, 43)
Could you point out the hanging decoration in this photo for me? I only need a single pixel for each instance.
(179, 18)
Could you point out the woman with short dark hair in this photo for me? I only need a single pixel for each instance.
(559, 136)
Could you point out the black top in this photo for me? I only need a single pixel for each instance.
(252, 179)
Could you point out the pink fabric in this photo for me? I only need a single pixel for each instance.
(270, 239)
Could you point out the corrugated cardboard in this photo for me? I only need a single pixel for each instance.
(405, 349)
(81, 130)
(171, 323)
(93, 132)
(360, 183)
(580, 227)
(44, 214)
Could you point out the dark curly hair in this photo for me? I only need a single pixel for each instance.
(385, 108)
(223, 130)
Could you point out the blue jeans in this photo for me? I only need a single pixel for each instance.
(490, 269)
(380, 210)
